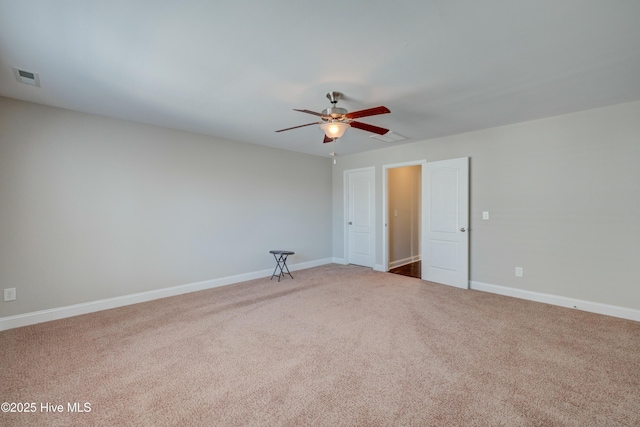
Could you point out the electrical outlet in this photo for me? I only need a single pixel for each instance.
(485, 215)
(10, 294)
(519, 272)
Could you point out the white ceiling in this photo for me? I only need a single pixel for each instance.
(236, 69)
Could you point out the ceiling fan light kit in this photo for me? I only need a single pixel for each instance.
(334, 129)
(336, 120)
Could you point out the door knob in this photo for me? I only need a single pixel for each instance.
(462, 229)
(350, 222)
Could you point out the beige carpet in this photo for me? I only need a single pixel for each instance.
(337, 345)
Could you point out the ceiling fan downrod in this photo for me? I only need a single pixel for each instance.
(334, 97)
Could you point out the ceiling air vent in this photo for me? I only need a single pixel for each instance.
(389, 137)
(27, 77)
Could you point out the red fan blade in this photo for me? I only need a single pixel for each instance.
(301, 126)
(369, 128)
(368, 112)
(310, 112)
(327, 139)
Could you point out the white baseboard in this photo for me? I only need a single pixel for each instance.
(404, 261)
(26, 319)
(593, 307)
(379, 267)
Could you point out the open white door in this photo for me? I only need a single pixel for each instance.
(445, 216)
(360, 217)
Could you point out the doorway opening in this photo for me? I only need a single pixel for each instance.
(402, 221)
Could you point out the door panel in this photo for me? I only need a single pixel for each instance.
(444, 255)
(361, 200)
(443, 207)
(362, 244)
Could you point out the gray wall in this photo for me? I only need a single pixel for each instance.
(563, 195)
(93, 208)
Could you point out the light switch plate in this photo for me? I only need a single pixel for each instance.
(10, 294)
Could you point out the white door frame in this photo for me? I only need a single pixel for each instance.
(385, 207)
(345, 192)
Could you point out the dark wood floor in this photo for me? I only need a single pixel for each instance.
(412, 270)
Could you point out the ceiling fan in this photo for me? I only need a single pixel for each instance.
(336, 120)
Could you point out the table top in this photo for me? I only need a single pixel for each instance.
(277, 252)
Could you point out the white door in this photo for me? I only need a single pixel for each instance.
(445, 235)
(360, 217)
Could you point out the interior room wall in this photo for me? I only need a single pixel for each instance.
(563, 199)
(94, 208)
(403, 201)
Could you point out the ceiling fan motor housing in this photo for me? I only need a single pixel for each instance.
(334, 113)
